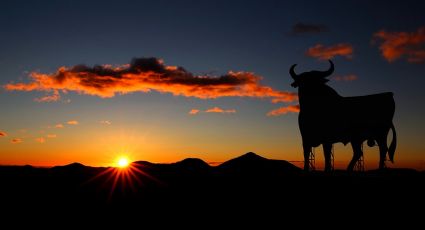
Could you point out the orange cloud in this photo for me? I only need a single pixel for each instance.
(212, 110)
(104, 122)
(194, 111)
(59, 126)
(220, 110)
(49, 98)
(396, 45)
(350, 77)
(284, 110)
(323, 53)
(72, 122)
(145, 75)
(3, 134)
(51, 135)
(40, 140)
(16, 140)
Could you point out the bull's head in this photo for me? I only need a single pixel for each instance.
(312, 77)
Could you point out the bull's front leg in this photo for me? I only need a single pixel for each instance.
(327, 151)
(307, 150)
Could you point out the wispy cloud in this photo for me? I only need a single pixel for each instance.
(194, 111)
(16, 140)
(284, 110)
(212, 110)
(59, 126)
(220, 110)
(145, 75)
(105, 122)
(51, 135)
(349, 77)
(55, 96)
(396, 45)
(72, 122)
(306, 28)
(3, 134)
(322, 52)
(40, 140)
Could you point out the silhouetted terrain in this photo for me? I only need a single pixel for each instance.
(247, 184)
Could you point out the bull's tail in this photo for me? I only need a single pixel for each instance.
(393, 144)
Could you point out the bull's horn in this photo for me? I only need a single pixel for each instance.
(292, 72)
(328, 72)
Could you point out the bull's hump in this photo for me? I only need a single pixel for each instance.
(378, 95)
(385, 94)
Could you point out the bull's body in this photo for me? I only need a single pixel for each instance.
(326, 118)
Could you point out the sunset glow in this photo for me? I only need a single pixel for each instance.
(92, 83)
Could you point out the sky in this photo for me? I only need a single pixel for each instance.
(88, 81)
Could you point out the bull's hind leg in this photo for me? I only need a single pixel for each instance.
(383, 149)
(327, 151)
(307, 150)
(357, 153)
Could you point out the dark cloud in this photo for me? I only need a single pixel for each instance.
(304, 28)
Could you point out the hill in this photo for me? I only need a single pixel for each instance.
(248, 183)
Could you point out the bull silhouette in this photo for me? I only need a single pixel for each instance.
(326, 118)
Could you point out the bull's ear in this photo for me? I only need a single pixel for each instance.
(294, 84)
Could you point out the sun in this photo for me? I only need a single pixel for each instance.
(123, 162)
(124, 173)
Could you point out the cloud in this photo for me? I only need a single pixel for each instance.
(323, 53)
(194, 111)
(220, 110)
(59, 126)
(51, 135)
(16, 140)
(40, 140)
(349, 77)
(104, 122)
(212, 110)
(49, 98)
(304, 28)
(72, 122)
(145, 75)
(3, 134)
(396, 45)
(284, 110)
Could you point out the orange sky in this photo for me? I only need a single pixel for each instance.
(87, 82)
